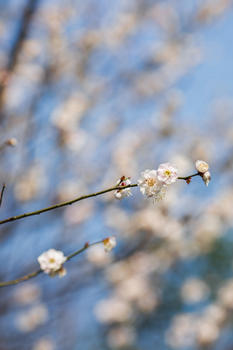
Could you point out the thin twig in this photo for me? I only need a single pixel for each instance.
(63, 204)
(36, 273)
(2, 192)
(188, 177)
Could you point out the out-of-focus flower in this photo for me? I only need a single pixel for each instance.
(207, 332)
(98, 257)
(113, 309)
(216, 313)
(121, 337)
(109, 243)
(194, 290)
(12, 142)
(225, 295)
(31, 184)
(182, 331)
(150, 185)
(123, 181)
(201, 166)
(29, 320)
(206, 178)
(51, 262)
(167, 173)
(27, 294)
(44, 344)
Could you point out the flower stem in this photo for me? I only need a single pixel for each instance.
(36, 273)
(63, 204)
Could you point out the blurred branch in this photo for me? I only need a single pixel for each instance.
(63, 204)
(2, 192)
(24, 26)
(36, 273)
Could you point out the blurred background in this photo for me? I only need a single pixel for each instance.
(90, 91)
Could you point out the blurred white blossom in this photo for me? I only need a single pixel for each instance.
(113, 309)
(44, 344)
(194, 290)
(29, 320)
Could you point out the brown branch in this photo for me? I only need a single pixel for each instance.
(25, 22)
(36, 273)
(188, 177)
(63, 204)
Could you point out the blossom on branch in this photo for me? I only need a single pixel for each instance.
(167, 173)
(201, 166)
(206, 178)
(126, 192)
(150, 185)
(109, 243)
(51, 262)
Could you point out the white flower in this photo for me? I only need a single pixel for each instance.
(206, 177)
(167, 173)
(150, 185)
(109, 243)
(126, 192)
(51, 261)
(201, 166)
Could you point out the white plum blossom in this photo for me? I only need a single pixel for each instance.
(126, 192)
(109, 243)
(150, 185)
(51, 262)
(201, 166)
(206, 178)
(167, 173)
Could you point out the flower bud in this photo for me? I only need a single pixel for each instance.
(12, 142)
(201, 166)
(206, 177)
(126, 192)
(109, 243)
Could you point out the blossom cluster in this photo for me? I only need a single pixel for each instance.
(153, 183)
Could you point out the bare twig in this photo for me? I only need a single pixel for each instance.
(63, 204)
(2, 192)
(188, 177)
(36, 273)
(25, 22)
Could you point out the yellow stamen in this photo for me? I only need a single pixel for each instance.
(151, 182)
